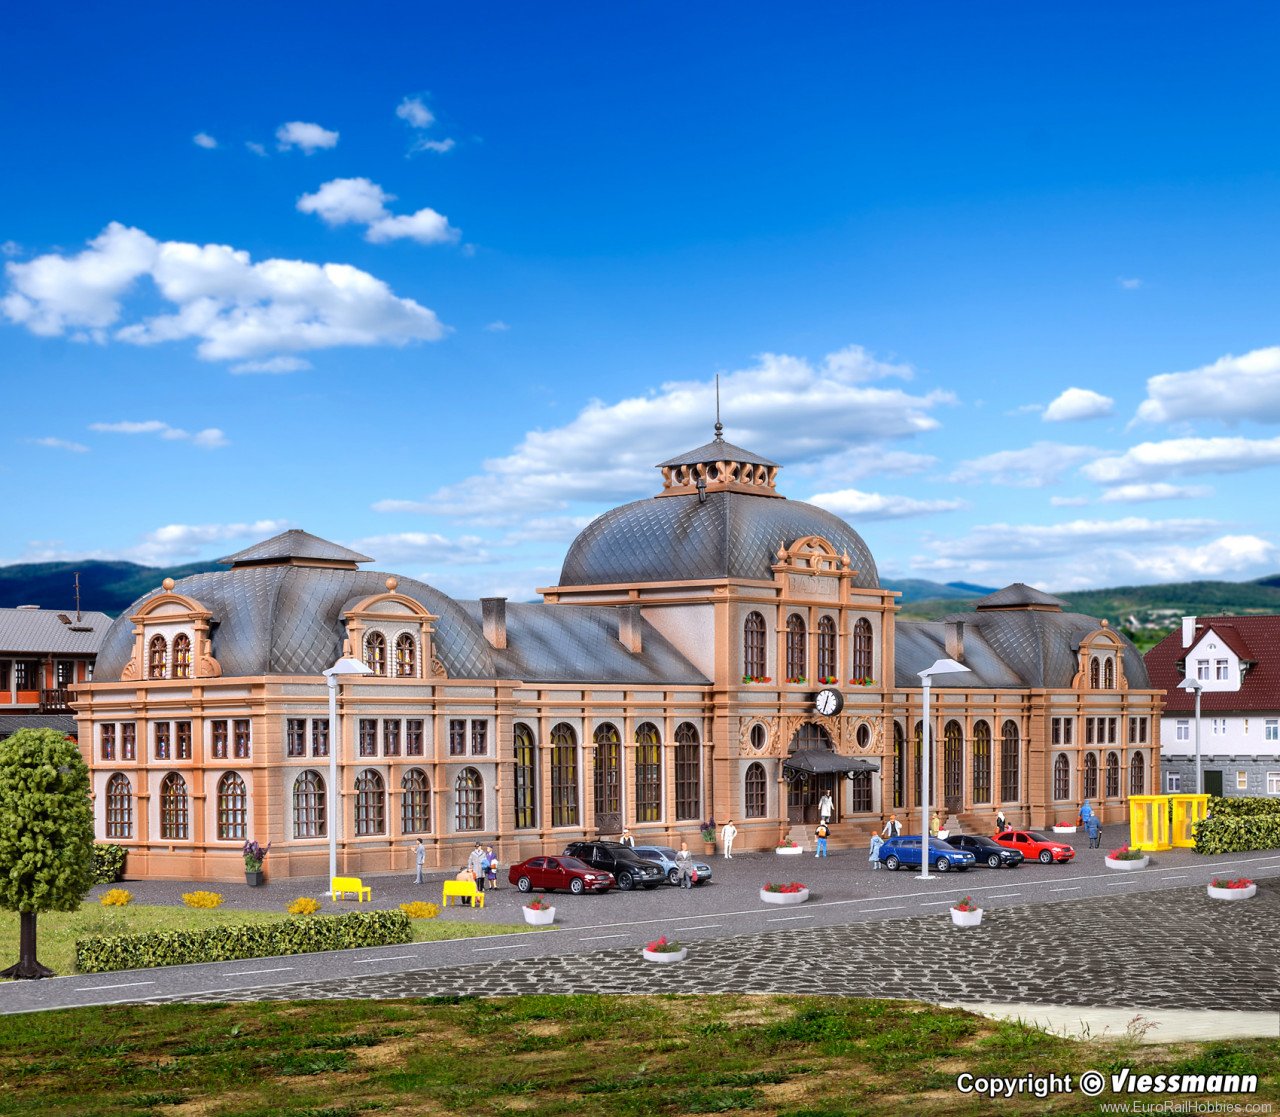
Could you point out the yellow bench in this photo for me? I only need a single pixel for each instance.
(462, 889)
(340, 886)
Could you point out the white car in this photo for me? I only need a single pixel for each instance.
(666, 857)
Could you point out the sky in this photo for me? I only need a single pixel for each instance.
(442, 283)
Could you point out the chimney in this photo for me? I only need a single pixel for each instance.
(629, 628)
(493, 611)
(1188, 631)
(955, 639)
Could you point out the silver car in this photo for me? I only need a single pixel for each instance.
(666, 857)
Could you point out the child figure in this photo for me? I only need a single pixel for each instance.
(876, 843)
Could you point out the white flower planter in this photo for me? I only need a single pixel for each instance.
(943, 834)
(1064, 829)
(1127, 866)
(1231, 893)
(966, 918)
(784, 897)
(662, 956)
(789, 851)
(539, 916)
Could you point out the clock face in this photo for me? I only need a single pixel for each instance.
(829, 702)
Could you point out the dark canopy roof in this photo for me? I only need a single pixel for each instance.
(822, 761)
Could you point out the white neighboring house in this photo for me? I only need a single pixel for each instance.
(1236, 660)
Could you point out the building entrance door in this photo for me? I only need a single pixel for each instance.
(1212, 781)
(803, 797)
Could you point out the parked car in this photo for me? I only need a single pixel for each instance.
(987, 851)
(666, 857)
(1033, 845)
(551, 873)
(905, 850)
(630, 869)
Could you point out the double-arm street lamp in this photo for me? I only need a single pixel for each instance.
(1197, 686)
(942, 667)
(345, 667)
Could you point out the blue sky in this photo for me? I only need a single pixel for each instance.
(996, 283)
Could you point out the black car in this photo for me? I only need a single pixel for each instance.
(986, 851)
(628, 867)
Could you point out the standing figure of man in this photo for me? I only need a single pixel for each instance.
(892, 828)
(1094, 826)
(727, 833)
(935, 824)
(821, 834)
(826, 807)
(476, 864)
(419, 859)
(684, 862)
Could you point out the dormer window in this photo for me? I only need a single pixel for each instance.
(375, 653)
(1095, 673)
(406, 656)
(182, 656)
(1109, 673)
(158, 658)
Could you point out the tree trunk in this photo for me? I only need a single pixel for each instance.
(27, 966)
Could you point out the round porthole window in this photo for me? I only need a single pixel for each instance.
(864, 736)
(759, 737)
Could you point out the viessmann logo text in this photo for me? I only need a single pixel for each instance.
(1093, 1083)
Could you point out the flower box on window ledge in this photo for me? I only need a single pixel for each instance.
(827, 680)
(862, 682)
(756, 679)
(797, 679)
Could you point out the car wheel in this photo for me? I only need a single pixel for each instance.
(626, 882)
(994, 861)
(891, 862)
(942, 864)
(575, 886)
(1046, 858)
(524, 884)
(673, 876)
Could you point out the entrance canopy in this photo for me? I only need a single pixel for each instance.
(823, 761)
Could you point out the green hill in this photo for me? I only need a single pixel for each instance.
(105, 587)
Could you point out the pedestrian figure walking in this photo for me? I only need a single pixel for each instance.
(684, 862)
(826, 806)
(1094, 827)
(821, 834)
(476, 864)
(727, 833)
(876, 843)
(419, 859)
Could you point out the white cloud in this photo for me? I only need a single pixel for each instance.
(875, 506)
(256, 148)
(210, 438)
(10, 248)
(1128, 283)
(1078, 403)
(234, 308)
(415, 113)
(60, 444)
(424, 546)
(797, 410)
(166, 546)
(1157, 490)
(438, 146)
(1032, 468)
(362, 202)
(309, 137)
(498, 327)
(1068, 501)
(203, 139)
(273, 365)
(1231, 388)
(1150, 460)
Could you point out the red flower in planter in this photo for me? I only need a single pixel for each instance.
(1242, 882)
(794, 886)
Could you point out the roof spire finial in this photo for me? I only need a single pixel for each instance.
(719, 425)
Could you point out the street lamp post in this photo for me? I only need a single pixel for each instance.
(346, 666)
(942, 667)
(1196, 686)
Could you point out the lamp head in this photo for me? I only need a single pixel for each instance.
(346, 666)
(1190, 684)
(944, 667)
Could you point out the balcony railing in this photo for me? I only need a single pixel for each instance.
(56, 701)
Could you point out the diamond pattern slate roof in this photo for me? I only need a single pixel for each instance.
(40, 631)
(1018, 594)
(717, 450)
(1258, 636)
(11, 723)
(680, 538)
(294, 543)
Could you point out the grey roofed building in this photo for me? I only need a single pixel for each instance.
(34, 631)
(11, 723)
(295, 545)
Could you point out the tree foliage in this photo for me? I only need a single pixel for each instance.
(46, 823)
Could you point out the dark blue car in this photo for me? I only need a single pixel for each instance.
(905, 850)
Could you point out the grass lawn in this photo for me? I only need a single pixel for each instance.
(56, 932)
(545, 1056)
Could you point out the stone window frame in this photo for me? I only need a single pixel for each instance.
(648, 773)
(175, 808)
(415, 801)
(310, 805)
(233, 808)
(370, 804)
(118, 820)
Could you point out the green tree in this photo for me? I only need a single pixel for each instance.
(46, 834)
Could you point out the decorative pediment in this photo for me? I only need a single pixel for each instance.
(811, 567)
(171, 639)
(1101, 661)
(392, 634)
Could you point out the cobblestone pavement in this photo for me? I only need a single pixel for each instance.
(1169, 949)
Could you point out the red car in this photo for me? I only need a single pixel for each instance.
(550, 873)
(1035, 846)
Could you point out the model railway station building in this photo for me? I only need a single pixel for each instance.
(668, 678)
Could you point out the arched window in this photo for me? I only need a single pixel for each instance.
(175, 815)
(689, 770)
(182, 656)
(756, 797)
(1137, 774)
(753, 658)
(899, 766)
(827, 649)
(861, 668)
(953, 765)
(1010, 778)
(406, 656)
(468, 792)
(526, 783)
(309, 817)
(371, 804)
(119, 807)
(1094, 673)
(606, 776)
(1109, 673)
(981, 762)
(795, 648)
(1061, 777)
(1089, 782)
(415, 803)
(919, 760)
(564, 775)
(233, 809)
(158, 658)
(648, 773)
(1113, 775)
(375, 653)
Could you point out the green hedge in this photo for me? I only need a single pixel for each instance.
(108, 863)
(1239, 824)
(302, 935)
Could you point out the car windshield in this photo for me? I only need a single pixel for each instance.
(977, 840)
(1037, 837)
(574, 863)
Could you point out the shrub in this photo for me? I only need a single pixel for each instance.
(1124, 853)
(420, 910)
(1239, 824)
(108, 863)
(103, 954)
(202, 899)
(116, 898)
(303, 905)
